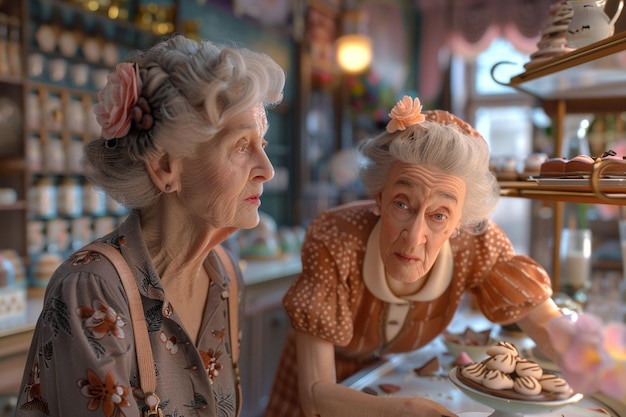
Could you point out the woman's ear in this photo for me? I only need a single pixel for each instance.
(164, 171)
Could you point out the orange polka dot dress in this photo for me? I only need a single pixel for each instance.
(334, 299)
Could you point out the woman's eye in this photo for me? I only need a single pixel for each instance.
(440, 217)
(401, 205)
(242, 146)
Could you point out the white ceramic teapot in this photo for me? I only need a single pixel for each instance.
(590, 24)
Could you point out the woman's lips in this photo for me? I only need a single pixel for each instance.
(407, 258)
(254, 199)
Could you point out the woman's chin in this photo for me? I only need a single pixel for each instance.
(405, 272)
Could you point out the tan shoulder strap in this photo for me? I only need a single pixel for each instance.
(145, 360)
(233, 301)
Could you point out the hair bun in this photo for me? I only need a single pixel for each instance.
(445, 117)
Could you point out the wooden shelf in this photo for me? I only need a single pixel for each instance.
(592, 190)
(18, 205)
(11, 79)
(571, 194)
(12, 165)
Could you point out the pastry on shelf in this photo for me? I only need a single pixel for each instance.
(553, 168)
(507, 170)
(579, 166)
(553, 42)
(532, 165)
(613, 170)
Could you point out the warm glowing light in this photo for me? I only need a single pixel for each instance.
(114, 12)
(354, 52)
(92, 5)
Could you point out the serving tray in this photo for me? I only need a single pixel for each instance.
(399, 370)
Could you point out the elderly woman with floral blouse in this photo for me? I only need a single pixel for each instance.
(387, 275)
(183, 146)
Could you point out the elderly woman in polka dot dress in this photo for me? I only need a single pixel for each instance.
(387, 275)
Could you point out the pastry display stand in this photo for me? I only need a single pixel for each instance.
(590, 79)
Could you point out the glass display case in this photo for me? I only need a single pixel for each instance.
(590, 79)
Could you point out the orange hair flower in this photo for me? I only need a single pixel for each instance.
(406, 112)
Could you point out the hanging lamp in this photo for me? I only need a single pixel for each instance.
(353, 49)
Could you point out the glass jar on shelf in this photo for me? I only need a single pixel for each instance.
(70, 201)
(43, 198)
(14, 46)
(4, 44)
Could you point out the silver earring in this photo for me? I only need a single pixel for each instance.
(168, 187)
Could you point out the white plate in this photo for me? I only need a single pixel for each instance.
(512, 406)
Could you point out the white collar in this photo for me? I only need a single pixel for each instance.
(374, 273)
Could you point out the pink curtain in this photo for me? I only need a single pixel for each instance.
(467, 27)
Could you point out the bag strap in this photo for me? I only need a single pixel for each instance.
(145, 360)
(233, 301)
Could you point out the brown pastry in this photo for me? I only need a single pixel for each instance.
(579, 166)
(430, 368)
(389, 388)
(553, 168)
(614, 170)
(469, 337)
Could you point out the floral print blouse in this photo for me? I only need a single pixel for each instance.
(82, 360)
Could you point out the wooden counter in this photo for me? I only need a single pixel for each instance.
(15, 335)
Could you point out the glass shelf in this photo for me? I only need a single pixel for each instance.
(589, 79)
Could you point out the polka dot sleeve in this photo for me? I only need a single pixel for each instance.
(318, 302)
(509, 284)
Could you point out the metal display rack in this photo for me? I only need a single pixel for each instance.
(590, 79)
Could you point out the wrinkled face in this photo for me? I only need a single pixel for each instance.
(223, 182)
(420, 206)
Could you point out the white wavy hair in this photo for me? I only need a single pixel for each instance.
(193, 90)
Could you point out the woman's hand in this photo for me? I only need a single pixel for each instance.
(535, 322)
(335, 400)
(416, 407)
(321, 396)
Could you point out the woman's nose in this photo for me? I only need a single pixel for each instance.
(415, 231)
(264, 170)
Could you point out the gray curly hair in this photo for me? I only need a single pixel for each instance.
(193, 88)
(445, 146)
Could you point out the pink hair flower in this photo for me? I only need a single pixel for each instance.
(406, 112)
(117, 99)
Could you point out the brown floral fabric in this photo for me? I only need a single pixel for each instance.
(329, 298)
(82, 360)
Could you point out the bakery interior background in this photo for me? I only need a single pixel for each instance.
(441, 51)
